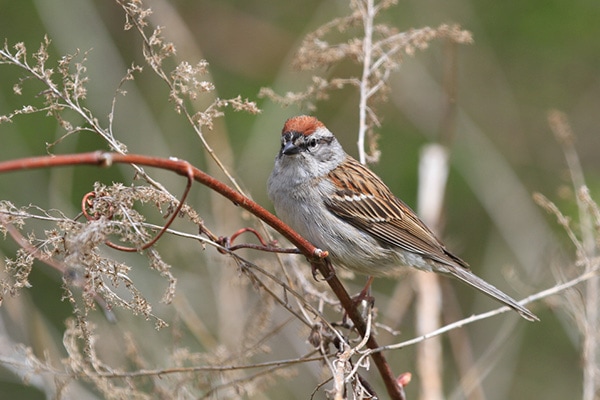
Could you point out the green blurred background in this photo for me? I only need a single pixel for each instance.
(527, 58)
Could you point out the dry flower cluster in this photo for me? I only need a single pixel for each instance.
(376, 48)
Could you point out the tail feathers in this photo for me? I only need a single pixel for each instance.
(469, 278)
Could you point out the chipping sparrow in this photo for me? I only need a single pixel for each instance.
(341, 206)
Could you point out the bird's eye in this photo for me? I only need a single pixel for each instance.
(312, 142)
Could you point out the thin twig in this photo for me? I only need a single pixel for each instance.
(591, 321)
(478, 317)
(368, 14)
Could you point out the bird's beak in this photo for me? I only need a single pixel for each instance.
(290, 148)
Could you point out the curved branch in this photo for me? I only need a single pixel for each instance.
(315, 256)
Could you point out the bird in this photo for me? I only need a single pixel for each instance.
(341, 206)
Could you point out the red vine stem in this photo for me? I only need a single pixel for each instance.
(182, 167)
(86, 201)
(251, 230)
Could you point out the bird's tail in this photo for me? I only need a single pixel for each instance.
(469, 278)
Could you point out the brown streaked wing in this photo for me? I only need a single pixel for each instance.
(368, 204)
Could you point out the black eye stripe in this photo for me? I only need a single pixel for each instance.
(303, 141)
